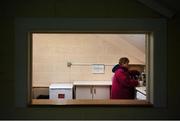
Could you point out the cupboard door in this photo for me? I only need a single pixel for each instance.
(101, 92)
(83, 92)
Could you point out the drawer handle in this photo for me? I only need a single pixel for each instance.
(91, 90)
(94, 91)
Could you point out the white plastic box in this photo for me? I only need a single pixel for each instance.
(61, 91)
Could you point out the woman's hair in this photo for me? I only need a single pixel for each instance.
(123, 60)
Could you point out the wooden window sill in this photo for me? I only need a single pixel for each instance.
(123, 102)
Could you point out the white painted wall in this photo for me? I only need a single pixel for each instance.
(51, 52)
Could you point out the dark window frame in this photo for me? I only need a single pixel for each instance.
(157, 56)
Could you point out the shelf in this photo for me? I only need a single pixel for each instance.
(91, 102)
(93, 83)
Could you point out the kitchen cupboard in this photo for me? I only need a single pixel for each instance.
(92, 92)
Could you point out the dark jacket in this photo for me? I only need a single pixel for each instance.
(115, 68)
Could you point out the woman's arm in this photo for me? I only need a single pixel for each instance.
(124, 79)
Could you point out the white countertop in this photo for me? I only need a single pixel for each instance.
(61, 85)
(92, 82)
(141, 89)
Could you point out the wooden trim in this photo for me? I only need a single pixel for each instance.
(158, 7)
(40, 87)
(91, 102)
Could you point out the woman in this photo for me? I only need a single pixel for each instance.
(122, 86)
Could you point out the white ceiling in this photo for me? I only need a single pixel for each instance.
(130, 45)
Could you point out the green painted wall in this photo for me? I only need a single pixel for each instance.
(81, 9)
